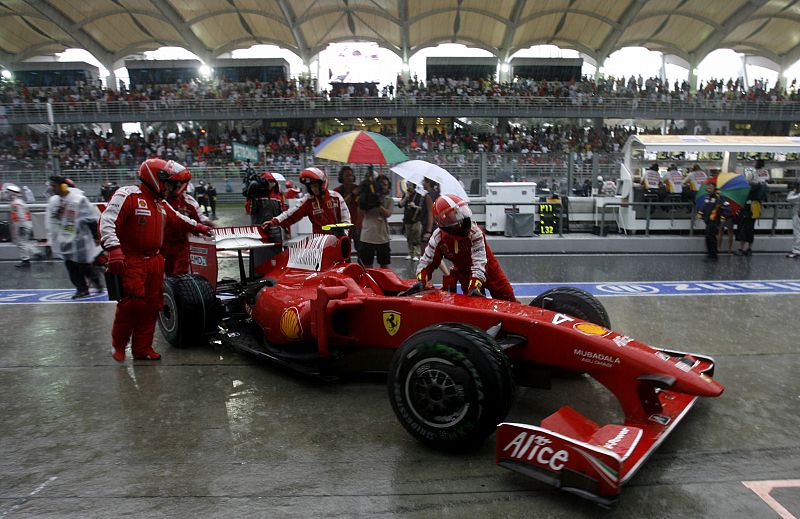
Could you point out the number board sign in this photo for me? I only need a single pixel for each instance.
(548, 216)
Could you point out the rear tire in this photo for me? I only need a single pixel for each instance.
(450, 385)
(190, 310)
(575, 302)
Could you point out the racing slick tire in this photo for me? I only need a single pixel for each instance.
(450, 385)
(190, 310)
(575, 302)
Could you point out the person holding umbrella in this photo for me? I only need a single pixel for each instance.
(461, 241)
(321, 206)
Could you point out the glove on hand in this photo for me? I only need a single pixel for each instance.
(475, 286)
(423, 276)
(204, 229)
(116, 261)
(266, 225)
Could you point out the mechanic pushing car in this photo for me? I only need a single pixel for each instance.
(175, 248)
(323, 207)
(132, 233)
(461, 241)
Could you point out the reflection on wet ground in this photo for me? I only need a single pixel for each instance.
(210, 432)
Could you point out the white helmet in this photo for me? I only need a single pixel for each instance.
(12, 188)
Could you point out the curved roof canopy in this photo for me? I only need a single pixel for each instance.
(114, 29)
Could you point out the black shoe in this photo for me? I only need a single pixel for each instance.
(80, 295)
(748, 252)
(23, 264)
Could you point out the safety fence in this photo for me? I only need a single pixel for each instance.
(473, 170)
(422, 106)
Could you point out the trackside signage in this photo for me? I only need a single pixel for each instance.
(671, 288)
(638, 288)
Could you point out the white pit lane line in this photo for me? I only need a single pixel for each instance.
(763, 489)
(19, 502)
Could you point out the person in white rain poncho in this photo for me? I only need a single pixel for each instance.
(72, 233)
(21, 225)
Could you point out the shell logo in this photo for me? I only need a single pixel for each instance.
(591, 329)
(290, 324)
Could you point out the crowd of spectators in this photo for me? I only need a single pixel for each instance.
(596, 89)
(82, 149)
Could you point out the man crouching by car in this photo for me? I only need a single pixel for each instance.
(461, 241)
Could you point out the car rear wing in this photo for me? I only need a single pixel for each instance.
(575, 454)
(203, 251)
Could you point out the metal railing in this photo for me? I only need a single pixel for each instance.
(649, 205)
(423, 106)
(473, 169)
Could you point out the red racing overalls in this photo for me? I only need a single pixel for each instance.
(472, 259)
(325, 210)
(176, 240)
(134, 220)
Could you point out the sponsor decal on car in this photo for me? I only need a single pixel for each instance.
(538, 451)
(591, 357)
(561, 318)
(591, 329)
(621, 340)
(660, 419)
(391, 321)
(196, 259)
(290, 324)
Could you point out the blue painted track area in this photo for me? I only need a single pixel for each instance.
(637, 288)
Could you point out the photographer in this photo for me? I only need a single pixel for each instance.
(369, 196)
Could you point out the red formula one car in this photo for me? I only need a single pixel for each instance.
(453, 361)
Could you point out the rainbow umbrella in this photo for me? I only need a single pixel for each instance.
(733, 187)
(359, 147)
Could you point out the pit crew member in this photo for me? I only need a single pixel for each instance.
(321, 206)
(132, 233)
(176, 240)
(461, 241)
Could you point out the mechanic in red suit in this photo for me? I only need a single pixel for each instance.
(461, 241)
(323, 207)
(291, 191)
(176, 240)
(132, 233)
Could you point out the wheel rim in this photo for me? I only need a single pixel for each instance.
(434, 393)
(168, 316)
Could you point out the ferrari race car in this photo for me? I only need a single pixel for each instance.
(453, 361)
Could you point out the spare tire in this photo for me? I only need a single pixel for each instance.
(575, 302)
(190, 310)
(450, 385)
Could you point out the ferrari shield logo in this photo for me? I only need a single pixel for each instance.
(391, 321)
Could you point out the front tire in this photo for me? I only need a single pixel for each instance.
(190, 310)
(450, 385)
(575, 302)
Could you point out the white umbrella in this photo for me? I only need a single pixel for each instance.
(416, 170)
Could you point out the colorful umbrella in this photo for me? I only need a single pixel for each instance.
(733, 187)
(359, 147)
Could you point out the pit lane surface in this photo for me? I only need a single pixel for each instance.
(211, 432)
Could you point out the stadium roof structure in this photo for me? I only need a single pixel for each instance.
(114, 29)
